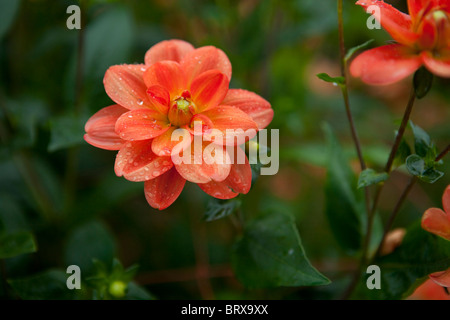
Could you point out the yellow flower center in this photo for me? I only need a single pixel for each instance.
(182, 110)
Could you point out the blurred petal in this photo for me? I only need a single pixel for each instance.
(125, 86)
(417, 8)
(164, 190)
(159, 97)
(136, 162)
(236, 126)
(173, 50)
(429, 291)
(446, 200)
(385, 65)
(100, 128)
(141, 124)
(437, 222)
(204, 59)
(252, 104)
(438, 66)
(209, 89)
(441, 278)
(163, 144)
(167, 74)
(200, 166)
(396, 23)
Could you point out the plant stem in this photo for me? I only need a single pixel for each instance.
(443, 153)
(395, 146)
(356, 141)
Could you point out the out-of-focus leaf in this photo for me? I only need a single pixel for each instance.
(87, 242)
(369, 177)
(25, 115)
(49, 285)
(11, 215)
(66, 131)
(420, 254)
(8, 12)
(344, 207)
(270, 254)
(15, 244)
(117, 26)
(135, 292)
(217, 208)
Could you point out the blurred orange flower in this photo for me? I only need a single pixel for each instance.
(423, 38)
(177, 87)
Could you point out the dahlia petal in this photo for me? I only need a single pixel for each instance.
(446, 200)
(137, 162)
(125, 86)
(219, 190)
(385, 65)
(204, 59)
(235, 126)
(396, 23)
(240, 177)
(159, 98)
(163, 144)
(173, 50)
(199, 166)
(164, 190)
(100, 128)
(441, 278)
(209, 89)
(437, 222)
(252, 104)
(167, 74)
(238, 181)
(416, 6)
(438, 66)
(141, 124)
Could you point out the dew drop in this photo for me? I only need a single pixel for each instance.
(140, 102)
(157, 164)
(156, 173)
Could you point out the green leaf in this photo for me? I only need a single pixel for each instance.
(353, 50)
(334, 80)
(402, 153)
(270, 254)
(8, 12)
(15, 244)
(87, 242)
(217, 208)
(423, 81)
(49, 285)
(344, 204)
(369, 177)
(66, 131)
(417, 167)
(420, 254)
(422, 141)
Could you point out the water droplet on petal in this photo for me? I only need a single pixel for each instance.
(140, 102)
(156, 173)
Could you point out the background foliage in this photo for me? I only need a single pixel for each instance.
(61, 203)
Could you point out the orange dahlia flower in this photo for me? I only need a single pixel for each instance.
(177, 87)
(437, 221)
(423, 39)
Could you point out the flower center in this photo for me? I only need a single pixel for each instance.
(182, 110)
(435, 31)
